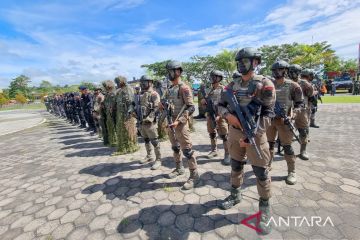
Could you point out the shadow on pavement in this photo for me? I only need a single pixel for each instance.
(178, 221)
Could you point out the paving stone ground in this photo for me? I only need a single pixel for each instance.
(57, 182)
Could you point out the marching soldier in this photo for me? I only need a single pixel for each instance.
(288, 94)
(252, 92)
(180, 96)
(302, 117)
(126, 131)
(215, 123)
(146, 110)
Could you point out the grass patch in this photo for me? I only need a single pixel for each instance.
(167, 188)
(341, 99)
(36, 106)
(125, 222)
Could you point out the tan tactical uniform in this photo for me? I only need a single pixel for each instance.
(261, 89)
(180, 95)
(302, 117)
(287, 94)
(149, 102)
(221, 125)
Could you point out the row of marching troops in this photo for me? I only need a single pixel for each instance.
(248, 115)
(76, 107)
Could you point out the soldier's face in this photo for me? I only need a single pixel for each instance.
(244, 65)
(173, 74)
(279, 73)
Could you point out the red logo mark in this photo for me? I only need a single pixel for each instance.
(246, 221)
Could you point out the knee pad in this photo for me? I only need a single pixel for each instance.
(302, 132)
(271, 145)
(288, 150)
(147, 140)
(260, 173)
(223, 137)
(212, 135)
(237, 166)
(188, 152)
(176, 149)
(154, 142)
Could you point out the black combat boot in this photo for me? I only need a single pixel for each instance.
(313, 124)
(303, 154)
(179, 170)
(234, 198)
(264, 208)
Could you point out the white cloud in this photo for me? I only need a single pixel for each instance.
(67, 58)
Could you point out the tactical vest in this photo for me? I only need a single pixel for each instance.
(146, 103)
(176, 99)
(303, 86)
(215, 94)
(245, 90)
(283, 94)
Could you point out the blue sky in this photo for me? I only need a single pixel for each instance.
(66, 42)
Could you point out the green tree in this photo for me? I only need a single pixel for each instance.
(20, 98)
(45, 87)
(349, 65)
(269, 54)
(3, 99)
(19, 85)
(225, 61)
(314, 56)
(157, 69)
(89, 85)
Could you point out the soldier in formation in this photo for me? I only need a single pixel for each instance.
(147, 109)
(255, 95)
(302, 117)
(125, 123)
(181, 106)
(215, 123)
(289, 99)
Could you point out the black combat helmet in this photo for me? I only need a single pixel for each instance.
(215, 74)
(305, 72)
(280, 64)
(294, 71)
(145, 82)
(248, 52)
(279, 69)
(236, 74)
(145, 78)
(174, 65)
(244, 59)
(171, 67)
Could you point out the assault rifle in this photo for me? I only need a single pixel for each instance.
(249, 126)
(209, 108)
(280, 112)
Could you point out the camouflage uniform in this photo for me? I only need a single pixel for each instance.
(302, 116)
(257, 94)
(245, 92)
(180, 95)
(149, 105)
(221, 126)
(108, 114)
(99, 99)
(126, 131)
(200, 106)
(288, 93)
